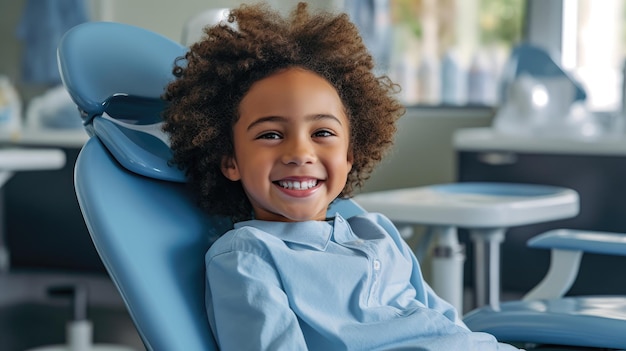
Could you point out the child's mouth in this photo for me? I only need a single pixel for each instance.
(297, 185)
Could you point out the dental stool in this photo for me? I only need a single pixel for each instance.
(486, 210)
(79, 330)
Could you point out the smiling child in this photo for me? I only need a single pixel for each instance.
(273, 119)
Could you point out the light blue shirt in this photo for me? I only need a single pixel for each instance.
(327, 285)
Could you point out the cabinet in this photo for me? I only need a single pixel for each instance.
(596, 169)
(43, 223)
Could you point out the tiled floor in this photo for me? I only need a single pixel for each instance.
(30, 318)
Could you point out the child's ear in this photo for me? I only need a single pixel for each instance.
(350, 157)
(230, 169)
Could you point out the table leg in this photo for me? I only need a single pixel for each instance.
(447, 266)
(4, 250)
(486, 244)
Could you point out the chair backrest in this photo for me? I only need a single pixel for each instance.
(144, 223)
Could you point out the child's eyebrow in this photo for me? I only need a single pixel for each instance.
(280, 119)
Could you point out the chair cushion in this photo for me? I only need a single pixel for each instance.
(138, 151)
(138, 70)
(108, 74)
(152, 239)
(598, 321)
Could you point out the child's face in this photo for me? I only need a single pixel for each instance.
(292, 146)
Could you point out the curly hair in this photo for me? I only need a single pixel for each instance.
(216, 73)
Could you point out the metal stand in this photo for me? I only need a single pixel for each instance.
(447, 266)
(486, 244)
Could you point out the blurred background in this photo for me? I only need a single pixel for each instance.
(458, 67)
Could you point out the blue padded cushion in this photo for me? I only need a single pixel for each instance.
(152, 239)
(138, 152)
(606, 243)
(122, 70)
(576, 321)
(138, 62)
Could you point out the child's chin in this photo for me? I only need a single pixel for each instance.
(303, 217)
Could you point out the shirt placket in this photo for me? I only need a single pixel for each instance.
(373, 260)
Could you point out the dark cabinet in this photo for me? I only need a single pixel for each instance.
(596, 172)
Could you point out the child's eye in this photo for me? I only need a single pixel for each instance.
(323, 133)
(269, 135)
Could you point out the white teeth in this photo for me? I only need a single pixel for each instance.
(296, 185)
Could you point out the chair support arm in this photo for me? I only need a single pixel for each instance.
(567, 247)
(561, 275)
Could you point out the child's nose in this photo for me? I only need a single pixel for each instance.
(299, 152)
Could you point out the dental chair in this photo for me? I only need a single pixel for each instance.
(152, 238)
(143, 222)
(545, 315)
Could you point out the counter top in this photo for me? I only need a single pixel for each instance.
(48, 137)
(488, 139)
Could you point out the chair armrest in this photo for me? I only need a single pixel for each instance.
(581, 240)
(567, 247)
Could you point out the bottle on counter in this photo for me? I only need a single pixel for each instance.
(429, 80)
(481, 81)
(453, 79)
(10, 110)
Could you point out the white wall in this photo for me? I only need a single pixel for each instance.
(423, 153)
(168, 17)
(162, 16)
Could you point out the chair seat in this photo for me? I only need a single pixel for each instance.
(598, 321)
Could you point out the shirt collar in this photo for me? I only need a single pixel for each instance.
(314, 234)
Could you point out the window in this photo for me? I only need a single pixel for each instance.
(589, 39)
(450, 52)
(593, 48)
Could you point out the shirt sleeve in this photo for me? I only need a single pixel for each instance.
(246, 306)
(425, 293)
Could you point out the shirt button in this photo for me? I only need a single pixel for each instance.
(376, 265)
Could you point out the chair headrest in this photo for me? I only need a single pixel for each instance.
(117, 74)
(142, 149)
(100, 60)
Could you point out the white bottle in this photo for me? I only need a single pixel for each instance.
(480, 81)
(453, 79)
(10, 111)
(429, 80)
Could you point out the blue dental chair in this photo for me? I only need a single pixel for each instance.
(144, 224)
(152, 238)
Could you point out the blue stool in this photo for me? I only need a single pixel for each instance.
(486, 210)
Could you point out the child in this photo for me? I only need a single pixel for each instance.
(274, 119)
